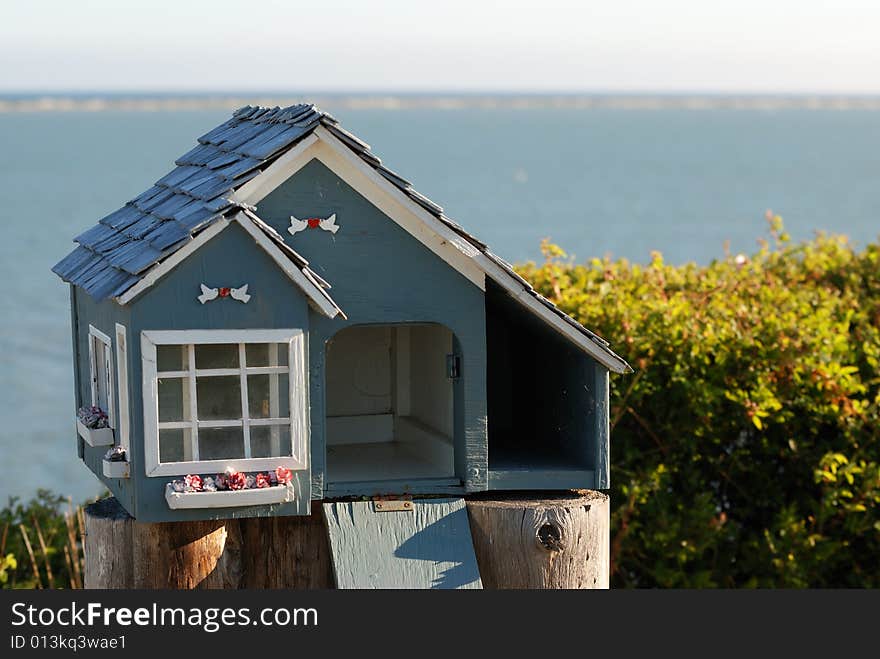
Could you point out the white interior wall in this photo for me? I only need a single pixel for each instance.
(430, 390)
(387, 386)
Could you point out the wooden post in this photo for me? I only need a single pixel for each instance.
(284, 552)
(107, 546)
(557, 541)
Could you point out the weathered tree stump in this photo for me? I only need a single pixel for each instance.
(559, 541)
(108, 528)
(283, 552)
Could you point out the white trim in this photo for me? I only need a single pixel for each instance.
(278, 172)
(219, 466)
(95, 436)
(316, 296)
(164, 267)
(380, 192)
(214, 336)
(208, 372)
(229, 498)
(116, 469)
(274, 400)
(297, 391)
(122, 384)
(245, 403)
(97, 335)
(297, 387)
(192, 410)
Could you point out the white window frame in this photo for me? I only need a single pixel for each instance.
(298, 460)
(100, 341)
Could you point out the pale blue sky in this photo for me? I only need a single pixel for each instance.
(449, 45)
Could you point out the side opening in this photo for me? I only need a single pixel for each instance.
(540, 402)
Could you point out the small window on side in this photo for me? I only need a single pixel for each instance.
(101, 372)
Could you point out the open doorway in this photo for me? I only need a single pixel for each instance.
(389, 399)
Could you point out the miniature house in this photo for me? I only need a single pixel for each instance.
(282, 301)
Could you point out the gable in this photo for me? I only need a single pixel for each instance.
(231, 259)
(272, 244)
(379, 270)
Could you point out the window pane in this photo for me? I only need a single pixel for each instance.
(171, 403)
(102, 376)
(261, 354)
(218, 397)
(284, 395)
(259, 390)
(175, 445)
(283, 350)
(171, 358)
(221, 443)
(257, 354)
(217, 356)
(270, 441)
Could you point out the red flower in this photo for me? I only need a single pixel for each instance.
(193, 482)
(263, 480)
(235, 480)
(224, 291)
(283, 474)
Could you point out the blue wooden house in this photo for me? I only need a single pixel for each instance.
(282, 319)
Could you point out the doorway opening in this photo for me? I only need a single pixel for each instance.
(389, 398)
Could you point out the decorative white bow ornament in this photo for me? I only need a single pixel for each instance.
(328, 224)
(239, 294)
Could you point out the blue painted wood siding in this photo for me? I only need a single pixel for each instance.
(103, 316)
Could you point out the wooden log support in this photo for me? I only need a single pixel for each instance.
(560, 541)
(107, 546)
(282, 552)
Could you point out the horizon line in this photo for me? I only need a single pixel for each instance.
(154, 101)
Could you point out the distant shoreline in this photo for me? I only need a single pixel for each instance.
(143, 102)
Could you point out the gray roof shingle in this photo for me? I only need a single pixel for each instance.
(114, 255)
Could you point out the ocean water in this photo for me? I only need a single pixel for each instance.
(599, 181)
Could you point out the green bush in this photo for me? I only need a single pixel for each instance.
(744, 448)
(41, 543)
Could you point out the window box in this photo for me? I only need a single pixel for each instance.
(95, 436)
(229, 498)
(116, 468)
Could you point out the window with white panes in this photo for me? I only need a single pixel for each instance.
(101, 373)
(223, 398)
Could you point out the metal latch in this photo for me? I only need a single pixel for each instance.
(453, 367)
(393, 505)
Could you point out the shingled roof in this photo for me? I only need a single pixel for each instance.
(119, 251)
